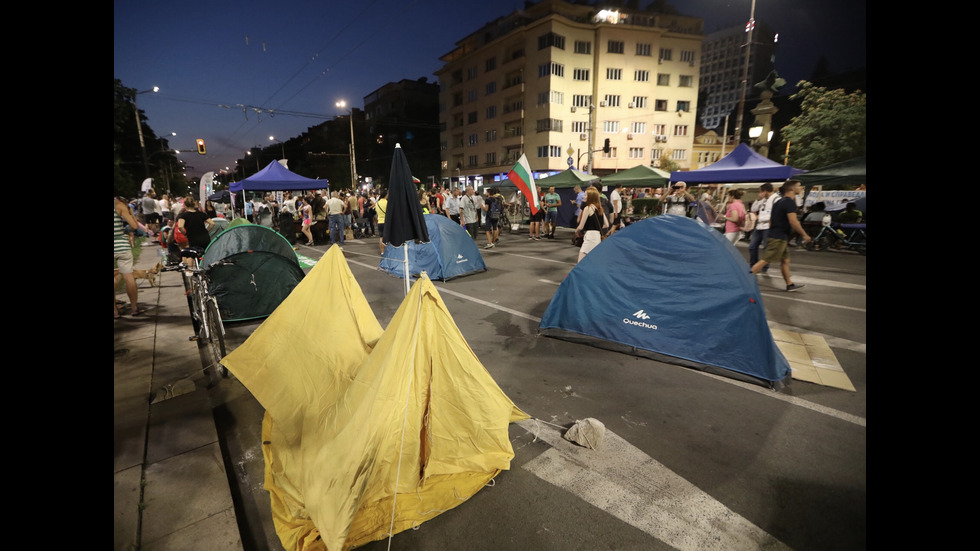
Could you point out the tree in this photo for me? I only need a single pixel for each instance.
(831, 126)
(666, 163)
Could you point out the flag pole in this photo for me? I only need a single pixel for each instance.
(407, 286)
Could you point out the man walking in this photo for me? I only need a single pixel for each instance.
(452, 205)
(616, 199)
(551, 203)
(782, 224)
(762, 207)
(472, 204)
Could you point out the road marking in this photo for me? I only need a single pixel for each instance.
(796, 298)
(841, 343)
(623, 481)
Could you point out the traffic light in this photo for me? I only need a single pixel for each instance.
(203, 151)
(605, 146)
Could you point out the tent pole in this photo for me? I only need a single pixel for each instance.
(407, 286)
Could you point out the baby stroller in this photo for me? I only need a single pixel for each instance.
(359, 230)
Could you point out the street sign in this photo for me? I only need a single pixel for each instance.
(571, 161)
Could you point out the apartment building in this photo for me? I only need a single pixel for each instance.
(722, 70)
(557, 79)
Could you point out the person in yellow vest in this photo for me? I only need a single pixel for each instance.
(380, 207)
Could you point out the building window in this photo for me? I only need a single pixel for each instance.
(583, 47)
(580, 74)
(687, 55)
(471, 73)
(636, 153)
(684, 106)
(643, 49)
(640, 102)
(580, 127)
(610, 155)
(660, 105)
(641, 76)
(549, 125)
(473, 140)
(492, 135)
(490, 64)
(473, 161)
(492, 158)
(655, 153)
(614, 74)
(471, 95)
(665, 54)
(610, 127)
(616, 47)
(556, 69)
(680, 130)
(580, 100)
(663, 79)
(549, 151)
(471, 117)
(557, 97)
(551, 39)
(686, 81)
(492, 112)
(679, 154)
(659, 129)
(491, 87)
(612, 100)
(638, 127)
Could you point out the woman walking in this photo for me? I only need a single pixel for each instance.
(592, 221)
(305, 208)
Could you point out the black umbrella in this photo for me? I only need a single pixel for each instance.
(404, 220)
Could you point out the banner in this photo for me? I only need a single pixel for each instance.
(834, 200)
(207, 180)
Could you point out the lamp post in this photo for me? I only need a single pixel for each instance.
(139, 129)
(353, 163)
(745, 72)
(282, 146)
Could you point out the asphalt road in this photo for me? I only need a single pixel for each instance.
(690, 460)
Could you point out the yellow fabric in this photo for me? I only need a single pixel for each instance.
(361, 427)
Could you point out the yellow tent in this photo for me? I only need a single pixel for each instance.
(369, 433)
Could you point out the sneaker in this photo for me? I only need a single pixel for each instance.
(537, 239)
(488, 246)
(795, 287)
(530, 238)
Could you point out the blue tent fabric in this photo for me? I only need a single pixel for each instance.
(449, 253)
(670, 289)
(741, 165)
(276, 177)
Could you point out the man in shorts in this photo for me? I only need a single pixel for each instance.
(782, 225)
(551, 203)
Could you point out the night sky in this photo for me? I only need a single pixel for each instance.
(293, 60)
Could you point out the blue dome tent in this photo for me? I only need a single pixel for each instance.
(449, 253)
(670, 289)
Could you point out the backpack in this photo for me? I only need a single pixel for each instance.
(750, 220)
(495, 207)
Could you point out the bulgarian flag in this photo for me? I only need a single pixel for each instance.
(521, 176)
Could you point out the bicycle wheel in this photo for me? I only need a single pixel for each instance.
(215, 337)
(191, 295)
(821, 243)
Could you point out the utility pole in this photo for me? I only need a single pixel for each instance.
(745, 73)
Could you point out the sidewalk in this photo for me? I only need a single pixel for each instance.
(170, 487)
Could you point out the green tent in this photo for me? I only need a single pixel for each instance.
(252, 269)
(639, 176)
(846, 173)
(567, 179)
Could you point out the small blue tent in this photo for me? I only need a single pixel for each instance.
(670, 289)
(450, 252)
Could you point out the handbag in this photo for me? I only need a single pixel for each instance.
(578, 240)
(180, 237)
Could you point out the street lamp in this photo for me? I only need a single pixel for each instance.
(139, 129)
(353, 163)
(283, 146)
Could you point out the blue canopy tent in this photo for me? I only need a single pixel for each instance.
(670, 289)
(276, 177)
(449, 253)
(741, 165)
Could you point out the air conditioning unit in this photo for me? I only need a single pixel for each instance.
(583, 137)
(602, 104)
(573, 109)
(629, 136)
(660, 138)
(632, 105)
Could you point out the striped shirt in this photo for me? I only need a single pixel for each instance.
(120, 240)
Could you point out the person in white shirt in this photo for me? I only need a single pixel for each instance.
(616, 200)
(762, 207)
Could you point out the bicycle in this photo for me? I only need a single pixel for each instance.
(851, 236)
(205, 314)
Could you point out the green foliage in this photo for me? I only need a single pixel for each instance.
(666, 163)
(832, 126)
